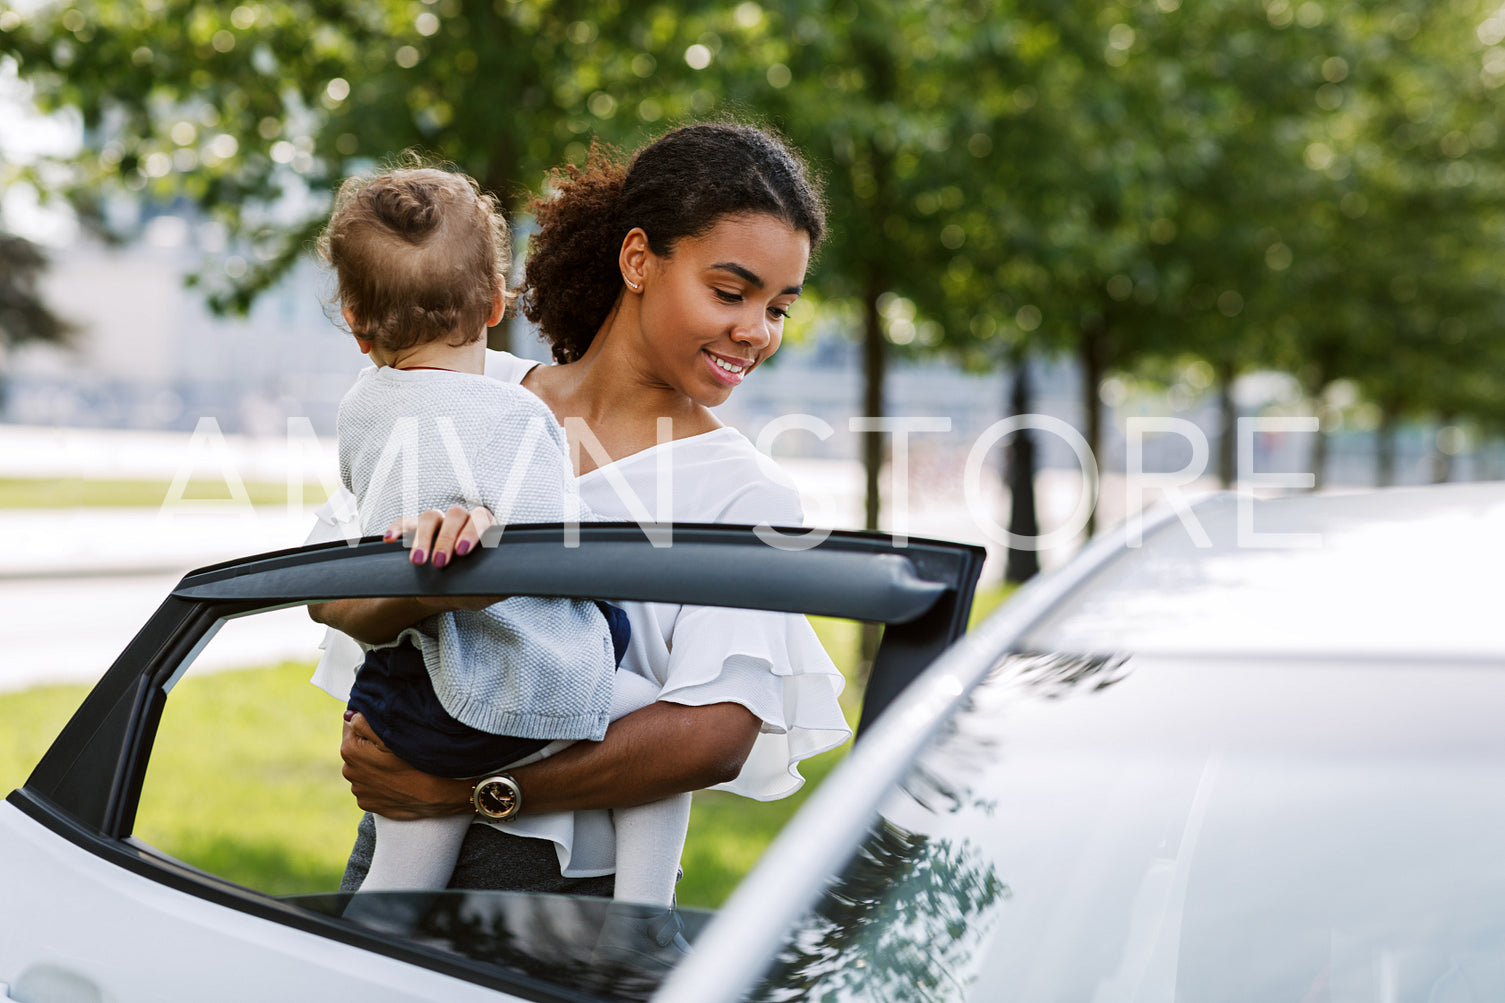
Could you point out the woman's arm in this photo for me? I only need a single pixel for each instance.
(433, 537)
(373, 621)
(662, 749)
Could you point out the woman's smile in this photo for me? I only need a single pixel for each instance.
(730, 371)
(722, 296)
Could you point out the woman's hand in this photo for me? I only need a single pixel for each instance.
(437, 537)
(386, 785)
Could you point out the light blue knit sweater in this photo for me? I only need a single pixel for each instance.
(412, 440)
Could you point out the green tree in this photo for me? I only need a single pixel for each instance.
(24, 314)
(245, 110)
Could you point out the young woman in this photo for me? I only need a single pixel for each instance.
(661, 285)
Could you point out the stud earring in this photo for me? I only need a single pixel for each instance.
(635, 287)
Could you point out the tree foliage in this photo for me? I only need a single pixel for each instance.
(1311, 186)
(24, 314)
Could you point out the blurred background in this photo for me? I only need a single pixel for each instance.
(1091, 211)
(1199, 210)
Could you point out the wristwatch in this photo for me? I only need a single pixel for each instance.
(497, 798)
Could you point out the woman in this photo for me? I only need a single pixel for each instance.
(660, 285)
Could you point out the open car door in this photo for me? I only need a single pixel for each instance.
(87, 912)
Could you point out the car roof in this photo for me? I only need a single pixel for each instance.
(1391, 573)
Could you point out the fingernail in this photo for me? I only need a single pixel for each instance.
(418, 556)
(349, 714)
(462, 548)
(440, 559)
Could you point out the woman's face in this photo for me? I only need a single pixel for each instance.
(714, 308)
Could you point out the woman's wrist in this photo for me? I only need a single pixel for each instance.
(373, 621)
(455, 797)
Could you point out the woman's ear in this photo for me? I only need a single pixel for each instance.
(632, 260)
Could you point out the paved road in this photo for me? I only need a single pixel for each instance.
(71, 629)
(76, 585)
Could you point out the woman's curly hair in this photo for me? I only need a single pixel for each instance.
(680, 185)
(418, 253)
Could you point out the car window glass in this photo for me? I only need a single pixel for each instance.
(244, 777)
(1107, 829)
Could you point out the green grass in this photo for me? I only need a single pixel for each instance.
(245, 778)
(82, 492)
(245, 781)
(29, 721)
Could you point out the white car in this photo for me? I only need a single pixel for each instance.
(1249, 750)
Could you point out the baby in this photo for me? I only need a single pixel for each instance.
(419, 255)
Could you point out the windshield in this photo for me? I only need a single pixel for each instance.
(1122, 829)
(546, 940)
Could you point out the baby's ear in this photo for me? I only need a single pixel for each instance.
(498, 306)
(354, 323)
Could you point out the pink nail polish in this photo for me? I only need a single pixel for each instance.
(418, 556)
(462, 548)
(440, 560)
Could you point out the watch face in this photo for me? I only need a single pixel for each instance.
(496, 798)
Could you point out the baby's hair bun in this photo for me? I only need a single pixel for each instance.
(411, 209)
(419, 255)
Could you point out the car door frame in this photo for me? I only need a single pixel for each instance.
(87, 786)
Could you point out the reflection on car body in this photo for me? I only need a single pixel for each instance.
(546, 940)
(1182, 774)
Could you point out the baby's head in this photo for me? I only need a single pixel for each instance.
(419, 254)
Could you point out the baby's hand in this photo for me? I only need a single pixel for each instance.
(436, 537)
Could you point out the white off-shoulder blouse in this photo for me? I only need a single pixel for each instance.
(770, 663)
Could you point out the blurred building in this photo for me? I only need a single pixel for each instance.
(150, 355)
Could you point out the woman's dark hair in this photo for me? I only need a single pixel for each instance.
(418, 253)
(680, 185)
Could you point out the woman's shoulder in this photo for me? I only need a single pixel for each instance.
(730, 476)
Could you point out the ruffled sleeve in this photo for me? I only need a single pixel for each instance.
(775, 666)
(341, 655)
(771, 663)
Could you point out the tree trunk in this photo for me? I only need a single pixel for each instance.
(1319, 457)
(1227, 425)
(499, 180)
(1019, 477)
(1384, 447)
(874, 369)
(1094, 366)
(1442, 462)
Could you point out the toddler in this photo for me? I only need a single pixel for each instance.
(419, 255)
